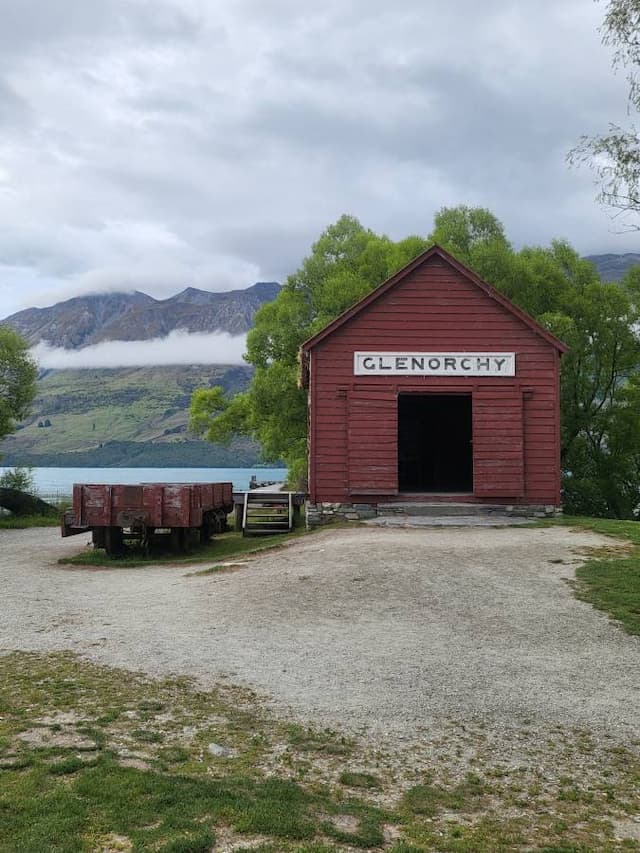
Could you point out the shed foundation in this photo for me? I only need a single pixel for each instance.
(318, 514)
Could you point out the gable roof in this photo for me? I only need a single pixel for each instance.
(434, 251)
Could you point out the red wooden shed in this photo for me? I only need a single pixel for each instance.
(433, 387)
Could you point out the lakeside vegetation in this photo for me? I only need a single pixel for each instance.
(24, 522)
(241, 453)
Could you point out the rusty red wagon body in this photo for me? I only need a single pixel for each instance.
(139, 511)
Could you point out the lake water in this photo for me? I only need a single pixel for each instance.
(54, 483)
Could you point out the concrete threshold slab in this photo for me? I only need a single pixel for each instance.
(447, 521)
(440, 509)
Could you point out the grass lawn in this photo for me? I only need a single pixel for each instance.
(611, 583)
(22, 522)
(95, 759)
(222, 547)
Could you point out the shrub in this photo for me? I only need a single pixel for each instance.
(18, 478)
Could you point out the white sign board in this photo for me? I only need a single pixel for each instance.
(434, 363)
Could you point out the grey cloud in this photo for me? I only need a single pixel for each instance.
(14, 110)
(275, 250)
(177, 142)
(176, 348)
(30, 25)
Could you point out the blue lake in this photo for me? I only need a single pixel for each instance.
(57, 482)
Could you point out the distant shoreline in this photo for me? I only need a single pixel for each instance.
(131, 454)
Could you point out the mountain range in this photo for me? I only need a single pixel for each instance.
(138, 417)
(86, 320)
(135, 416)
(92, 319)
(613, 267)
(124, 417)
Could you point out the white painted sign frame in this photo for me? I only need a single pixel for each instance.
(434, 363)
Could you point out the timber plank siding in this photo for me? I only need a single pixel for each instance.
(435, 306)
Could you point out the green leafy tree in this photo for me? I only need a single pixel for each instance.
(345, 263)
(600, 403)
(18, 374)
(19, 478)
(600, 375)
(614, 156)
(470, 233)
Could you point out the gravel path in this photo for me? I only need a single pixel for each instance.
(384, 629)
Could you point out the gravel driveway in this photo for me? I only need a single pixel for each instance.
(388, 630)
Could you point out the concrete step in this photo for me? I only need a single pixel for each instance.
(441, 509)
(430, 521)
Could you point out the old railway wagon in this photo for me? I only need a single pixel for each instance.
(434, 387)
(113, 513)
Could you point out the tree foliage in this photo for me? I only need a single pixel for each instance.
(614, 156)
(20, 478)
(600, 387)
(600, 374)
(18, 374)
(345, 263)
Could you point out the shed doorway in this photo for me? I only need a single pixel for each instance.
(435, 450)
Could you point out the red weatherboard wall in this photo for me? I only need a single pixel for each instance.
(434, 305)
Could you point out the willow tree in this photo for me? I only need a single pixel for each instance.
(18, 374)
(345, 263)
(600, 374)
(614, 155)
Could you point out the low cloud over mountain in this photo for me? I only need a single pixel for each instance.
(133, 329)
(178, 347)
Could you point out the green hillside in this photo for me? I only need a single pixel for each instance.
(133, 416)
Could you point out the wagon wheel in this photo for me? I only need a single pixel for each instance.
(113, 541)
(180, 539)
(98, 537)
(145, 538)
(207, 528)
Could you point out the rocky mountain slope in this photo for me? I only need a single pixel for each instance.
(135, 416)
(613, 267)
(91, 319)
(128, 417)
(139, 416)
(86, 320)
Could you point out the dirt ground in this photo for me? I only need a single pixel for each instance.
(388, 631)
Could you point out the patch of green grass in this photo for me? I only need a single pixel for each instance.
(428, 799)
(223, 547)
(313, 740)
(354, 779)
(614, 587)
(53, 799)
(156, 811)
(629, 530)
(71, 764)
(368, 834)
(283, 785)
(612, 584)
(173, 755)
(147, 736)
(22, 522)
(150, 705)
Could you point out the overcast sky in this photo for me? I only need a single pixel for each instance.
(157, 144)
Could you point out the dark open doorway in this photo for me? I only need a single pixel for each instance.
(435, 453)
